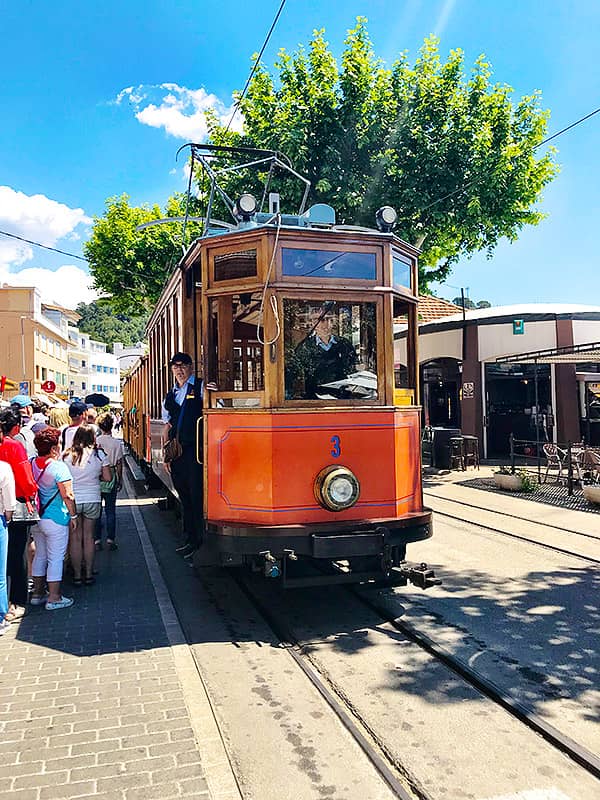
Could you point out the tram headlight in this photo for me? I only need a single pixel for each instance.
(386, 217)
(336, 488)
(245, 207)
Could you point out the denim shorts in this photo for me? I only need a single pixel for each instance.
(89, 510)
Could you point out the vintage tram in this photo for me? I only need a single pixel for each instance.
(311, 440)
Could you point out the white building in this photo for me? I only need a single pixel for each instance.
(91, 368)
(127, 356)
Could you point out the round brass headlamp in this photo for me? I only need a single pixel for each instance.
(336, 488)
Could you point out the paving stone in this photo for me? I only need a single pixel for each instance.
(91, 705)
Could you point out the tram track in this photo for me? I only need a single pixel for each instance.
(563, 743)
(517, 536)
(386, 764)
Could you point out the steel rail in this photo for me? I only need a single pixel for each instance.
(511, 516)
(340, 705)
(581, 755)
(482, 525)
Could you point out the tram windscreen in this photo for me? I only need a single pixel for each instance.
(330, 350)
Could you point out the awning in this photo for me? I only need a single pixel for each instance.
(574, 354)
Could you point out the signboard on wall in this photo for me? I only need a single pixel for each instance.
(468, 391)
(24, 387)
(518, 326)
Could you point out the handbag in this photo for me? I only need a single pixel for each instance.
(172, 449)
(26, 511)
(106, 487)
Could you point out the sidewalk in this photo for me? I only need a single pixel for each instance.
(103, 699)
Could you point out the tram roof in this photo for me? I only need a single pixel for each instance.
(573, 354)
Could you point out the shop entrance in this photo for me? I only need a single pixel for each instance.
(440, 381)
(510, 404)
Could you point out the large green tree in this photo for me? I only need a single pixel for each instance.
(128, 265)
(452, 153)
(105, 325)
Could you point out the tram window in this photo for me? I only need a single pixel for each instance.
(401, 271)
(328, 264)
(330, 350)
(231, 266)
(235, 361)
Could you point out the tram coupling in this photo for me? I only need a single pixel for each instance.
(419, 575)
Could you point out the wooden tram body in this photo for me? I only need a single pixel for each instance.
(241, 303)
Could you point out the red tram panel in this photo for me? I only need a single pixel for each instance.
(265, 463)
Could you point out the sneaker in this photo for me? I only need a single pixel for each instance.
(64, 602)
(36, 600)
(111, 544)
(4, 626)
(98, 544)
(30, 584)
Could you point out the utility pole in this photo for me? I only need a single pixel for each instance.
(23, 347)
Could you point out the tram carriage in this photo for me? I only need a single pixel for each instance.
(311, 439)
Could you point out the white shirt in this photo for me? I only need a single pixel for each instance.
(66, 435)
(112, 447)
(8, 498)
(86, 475)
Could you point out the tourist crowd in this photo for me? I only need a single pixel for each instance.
(58, 471)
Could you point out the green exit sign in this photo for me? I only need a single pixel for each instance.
(518, 326)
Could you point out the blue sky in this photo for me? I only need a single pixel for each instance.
(67, 142)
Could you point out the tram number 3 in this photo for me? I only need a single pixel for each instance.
(336, 449)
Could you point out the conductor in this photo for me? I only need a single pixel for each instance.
(182, 408)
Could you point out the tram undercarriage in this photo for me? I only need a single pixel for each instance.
(373, 551)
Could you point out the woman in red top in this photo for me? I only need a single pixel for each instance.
(13, 452)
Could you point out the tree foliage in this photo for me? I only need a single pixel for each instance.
(131, 266)
(468, 303)
(452, 153)
(103, 324)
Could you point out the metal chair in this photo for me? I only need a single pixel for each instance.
(471, 451)
(589, 462)
(457, 453)
(554, 458)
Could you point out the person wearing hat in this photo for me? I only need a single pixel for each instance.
(77, 411)
(182, 408)
(22, 404)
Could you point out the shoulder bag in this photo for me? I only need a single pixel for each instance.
(172, 449)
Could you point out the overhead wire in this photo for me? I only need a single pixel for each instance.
(439, 200)
(255, 66)
(539, 144)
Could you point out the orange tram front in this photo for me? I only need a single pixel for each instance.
(311, 440)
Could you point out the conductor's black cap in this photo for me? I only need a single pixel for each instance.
(180, 358)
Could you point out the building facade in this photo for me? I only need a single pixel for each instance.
(129, 354)
(40, 342)
(92, 369)
(463, 385)
(34, 339)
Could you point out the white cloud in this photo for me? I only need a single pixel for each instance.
(34, 217)
(180, 111)
(66, 286)
(40, 219)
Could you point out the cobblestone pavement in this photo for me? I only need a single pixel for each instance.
(91, 702)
